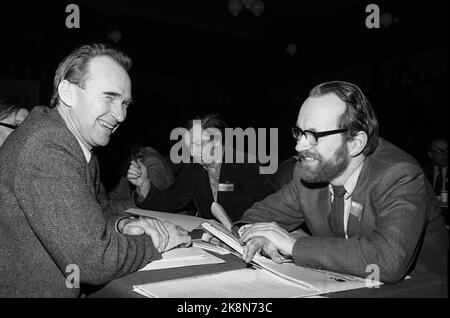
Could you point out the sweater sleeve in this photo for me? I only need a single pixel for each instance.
(64, 213)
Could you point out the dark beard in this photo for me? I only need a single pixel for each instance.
(328, 170)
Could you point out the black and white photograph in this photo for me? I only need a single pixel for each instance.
(227, 155)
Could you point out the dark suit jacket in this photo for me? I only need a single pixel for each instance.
(193, 184)
(400, 225)
(51, 215)
(428, 169)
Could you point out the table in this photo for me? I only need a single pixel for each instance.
(419, 285)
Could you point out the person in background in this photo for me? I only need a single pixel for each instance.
(159, 172)
(436, 169)
(365, 201)
(11, 116)
(58, 236)
(235, 186)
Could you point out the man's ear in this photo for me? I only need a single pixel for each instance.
(358, 143)
(66, 92)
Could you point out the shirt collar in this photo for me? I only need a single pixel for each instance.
(444, 169)
(350, 183)
(86, 152)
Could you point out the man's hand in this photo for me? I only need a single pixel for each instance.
(269, 238)
(137, 175)
(261, 245)
(164, 234)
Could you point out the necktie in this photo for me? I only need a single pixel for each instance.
(438, 184)
(336, 217)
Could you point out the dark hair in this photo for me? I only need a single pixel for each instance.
(74, 67)
(209, 121)
(358, 115)
(432, 140)
(7, 109)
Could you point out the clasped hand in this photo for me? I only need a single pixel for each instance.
(165, 235)
(137, 175)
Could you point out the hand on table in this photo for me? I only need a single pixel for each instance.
(165, 235)
(268, 238)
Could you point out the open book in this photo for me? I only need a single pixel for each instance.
(320, 281)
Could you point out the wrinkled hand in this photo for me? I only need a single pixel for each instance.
(137, 175)
(275, 238)
(165, 235)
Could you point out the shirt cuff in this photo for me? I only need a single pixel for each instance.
(120, 219)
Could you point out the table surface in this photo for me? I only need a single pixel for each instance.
(421, 285)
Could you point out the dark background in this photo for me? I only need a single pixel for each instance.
(194, 56)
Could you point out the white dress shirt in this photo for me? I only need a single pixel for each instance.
(349, 186)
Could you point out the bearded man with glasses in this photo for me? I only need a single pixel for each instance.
(365, 201)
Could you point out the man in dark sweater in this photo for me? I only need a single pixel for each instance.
(234, 185)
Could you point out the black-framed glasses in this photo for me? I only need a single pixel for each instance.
(8, 125)
(439, 150)
(313, 137)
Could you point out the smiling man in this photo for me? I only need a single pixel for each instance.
(57, 232)
(365, 201)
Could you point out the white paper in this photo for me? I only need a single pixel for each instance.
(242, 283)
(181, 257)
(188, 222)
(320, 280)
(210, 247)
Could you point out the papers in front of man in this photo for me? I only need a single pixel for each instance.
(241, 283)
(188, 222)
(210, 247)
(181, 257)
(320, 281)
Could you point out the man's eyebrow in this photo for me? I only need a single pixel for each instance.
(116, 95)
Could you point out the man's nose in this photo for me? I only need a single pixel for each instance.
(302, 144)
(118, 112)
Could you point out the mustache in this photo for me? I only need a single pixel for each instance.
(309, 154)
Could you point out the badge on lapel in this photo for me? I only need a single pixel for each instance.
(356, 210)
(227, 186)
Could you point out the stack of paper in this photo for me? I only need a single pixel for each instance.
(188, 222)
(210, 247)
(181, 257)
(242, 283)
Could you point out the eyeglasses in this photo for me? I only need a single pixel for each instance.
(439, 150)
(313, 137)
(8, 125)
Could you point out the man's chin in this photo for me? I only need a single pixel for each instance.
(103, 141)
(309, 175)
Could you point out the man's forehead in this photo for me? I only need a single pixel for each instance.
(442, 144)
(104, 73)
(192, 135)
(200, 134)
(321, 112)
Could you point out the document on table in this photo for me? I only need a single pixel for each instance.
(188, 222)
(181, 257)
(209, 247)
(242, 283)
